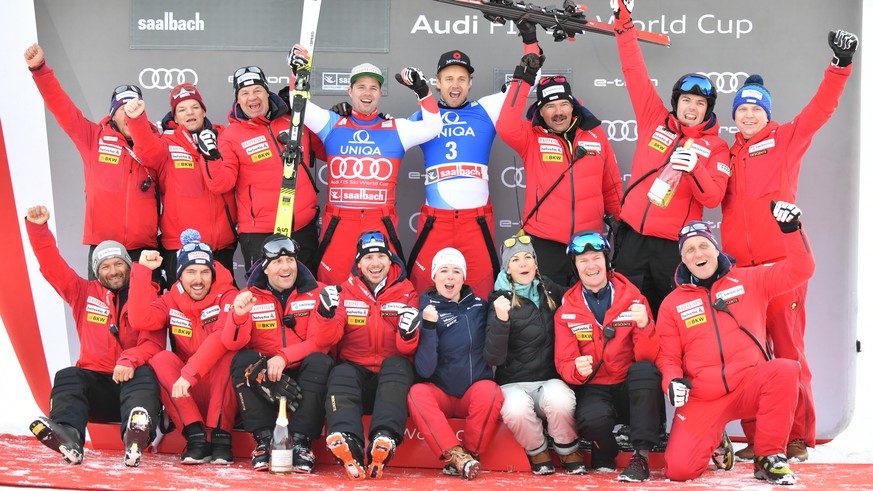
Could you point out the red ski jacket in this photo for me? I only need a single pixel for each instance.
(577, 333)
(660, 133)
(251, 161)
(190, 322)
(116, 207)
(187, 203)
(767, 167)
(588, 189)
(707, 346)
(95, 311)
(264, 330)
(364, 327)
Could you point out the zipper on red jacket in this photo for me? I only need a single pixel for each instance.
(727, 389)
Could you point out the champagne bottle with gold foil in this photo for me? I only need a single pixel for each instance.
(281, 453)
(665, 184)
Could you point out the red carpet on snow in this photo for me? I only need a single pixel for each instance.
(26, 463)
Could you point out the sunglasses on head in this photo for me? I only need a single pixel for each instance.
(587, 242)
(126, 92)
(523, 239)
(372, 239)
(702, 85)
(557, 79)
(695, 227)
(247, 69)
(182, 90)
(193, 246)
(281, 247)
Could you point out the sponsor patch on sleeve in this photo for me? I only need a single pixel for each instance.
(724, 168)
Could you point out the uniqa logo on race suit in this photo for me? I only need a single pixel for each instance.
(360, 144)
(166, 78)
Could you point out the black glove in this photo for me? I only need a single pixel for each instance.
(527, 30)
(414, 79)
(787, 215)
(678, 392)
(328, 301)
(410, 319)
(256, 378)
(206, 145)
(843, 44)
(344, 109)
(528, 67)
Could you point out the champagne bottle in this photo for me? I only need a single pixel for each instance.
(281, 454)
(665, 184)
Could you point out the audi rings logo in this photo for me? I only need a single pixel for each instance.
(360, 168)
(413, 222)
(321, 174)
(513, 177)
(166, 78)
(620, 131)
(726, 82)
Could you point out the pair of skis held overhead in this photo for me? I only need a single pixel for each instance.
(564, 23)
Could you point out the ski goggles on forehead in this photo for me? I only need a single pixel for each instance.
(515, 239)
(694, 227)
(372, 239)
(123, 92)
(281, 247)
(557, 79)
(587, 242)
(247, 69)
(691, 82)
(194, 246)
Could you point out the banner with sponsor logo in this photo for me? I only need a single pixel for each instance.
(264, 25)
(785, 41)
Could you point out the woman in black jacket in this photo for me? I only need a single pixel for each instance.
(520, 342)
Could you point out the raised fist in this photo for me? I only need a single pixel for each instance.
(843, 44)
(409, 322)
(243, 303)
(585, 365)
(134, 108)
(34, 56)
(206, 145)
(37, 214)
(640, 315)
(527, 30)
(414, 79)
(787, 216)
(151, 259)
(430, 314)
(621, 10)
(502, 305)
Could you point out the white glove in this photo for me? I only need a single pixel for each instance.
(206, 145)
(298, 58)
(787, 216)
(679, 390)
(329, 300)
(684, 159)
(409, 322)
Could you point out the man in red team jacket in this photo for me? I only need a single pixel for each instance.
(712, 357)
(120, 200)
(765, 165)
(111, 381)
(194, 376)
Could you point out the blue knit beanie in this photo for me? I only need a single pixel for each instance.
(753, 92)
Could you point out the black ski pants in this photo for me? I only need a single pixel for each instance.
(648, 262)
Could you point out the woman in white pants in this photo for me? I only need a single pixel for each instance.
(520, 342)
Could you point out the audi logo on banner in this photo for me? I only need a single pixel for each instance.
(321, 174)
(361, 168)
(620, 131)
(166, 78)
(726, 82)
(513, 177)
(413, 222)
